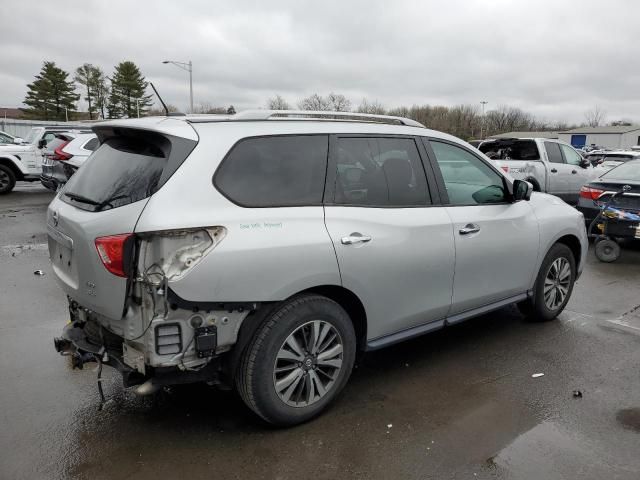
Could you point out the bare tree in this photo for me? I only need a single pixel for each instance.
(338, 102)
(156, 110)
(595, 117)
(278, 103)
(371, 107)
(314, 102)
(206, 107)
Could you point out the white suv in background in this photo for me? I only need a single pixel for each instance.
(264, 249)
(64, 156)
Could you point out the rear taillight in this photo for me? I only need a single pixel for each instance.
(590, 193)
(113, 252)
(60, 155)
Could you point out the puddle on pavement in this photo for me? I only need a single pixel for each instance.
(542, 452)
(629, 418)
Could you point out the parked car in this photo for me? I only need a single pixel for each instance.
(24, 161)
(549, 165)
(596, 193)
(614, 158)
(5, 138)
(64, 155)
(264, 249)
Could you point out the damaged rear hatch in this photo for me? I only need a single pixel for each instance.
(91, 221)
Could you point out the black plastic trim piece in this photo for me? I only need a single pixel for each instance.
(175, 302)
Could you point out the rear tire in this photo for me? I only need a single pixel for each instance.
(7, 179)
(553, 286)
(607, 250)
(298, 361)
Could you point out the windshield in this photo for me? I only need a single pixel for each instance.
(33, 135)
(510, 149)
(628, 172)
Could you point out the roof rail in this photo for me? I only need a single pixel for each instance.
(248, 115)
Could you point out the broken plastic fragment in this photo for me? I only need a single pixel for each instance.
(390, 425)
(536, 375)
(38, 272)
(577, 394)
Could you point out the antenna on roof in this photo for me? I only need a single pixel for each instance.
(166, 110)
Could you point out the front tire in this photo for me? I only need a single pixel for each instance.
(553, 286)
(7, 179)
(298, 361)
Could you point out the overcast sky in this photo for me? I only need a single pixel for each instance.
(555, 59)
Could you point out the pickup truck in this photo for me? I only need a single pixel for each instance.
(22, 160)
(549, 165)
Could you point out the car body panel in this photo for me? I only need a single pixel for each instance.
(410, 258)
(498, 261)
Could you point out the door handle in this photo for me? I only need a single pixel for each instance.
(354, 238)
(469, 228)
(553, 170)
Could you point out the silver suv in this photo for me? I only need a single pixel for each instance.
(265, 249)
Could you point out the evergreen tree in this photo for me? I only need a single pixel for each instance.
(92, 79)
(128, 87)
(50, 93)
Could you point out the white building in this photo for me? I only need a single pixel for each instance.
(616, 137)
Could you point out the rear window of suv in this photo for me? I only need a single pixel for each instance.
(275, 171)
(123, 170)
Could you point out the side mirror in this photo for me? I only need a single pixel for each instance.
(18, 141)
(42, 143)
(522, 190)
(584, 163)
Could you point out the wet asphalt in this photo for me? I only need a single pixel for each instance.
(459, 403)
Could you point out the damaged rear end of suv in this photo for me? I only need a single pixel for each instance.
(117, 279)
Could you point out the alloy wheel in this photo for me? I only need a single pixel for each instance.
(557, 283)
(308, 363)
(4, 180)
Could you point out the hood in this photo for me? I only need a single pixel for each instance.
(13, 148)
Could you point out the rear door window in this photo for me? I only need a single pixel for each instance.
(379, 171)
(553, 152)
(275, 171)
(123, 170)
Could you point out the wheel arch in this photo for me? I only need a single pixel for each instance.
(573, 243)
(534, 182)
(12, 165)
(352, 305)
(344, 297)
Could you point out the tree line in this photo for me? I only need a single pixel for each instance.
(463, 121)
(52, 95)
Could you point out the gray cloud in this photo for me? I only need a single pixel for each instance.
(555, 59)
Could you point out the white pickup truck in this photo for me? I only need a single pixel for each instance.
(550, 165)
(22, 160)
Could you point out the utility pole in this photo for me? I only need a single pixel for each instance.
(483, 103)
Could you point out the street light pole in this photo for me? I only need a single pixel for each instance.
(189, 68)
(483, 103)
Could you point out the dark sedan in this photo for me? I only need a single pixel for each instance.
(596, 193)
